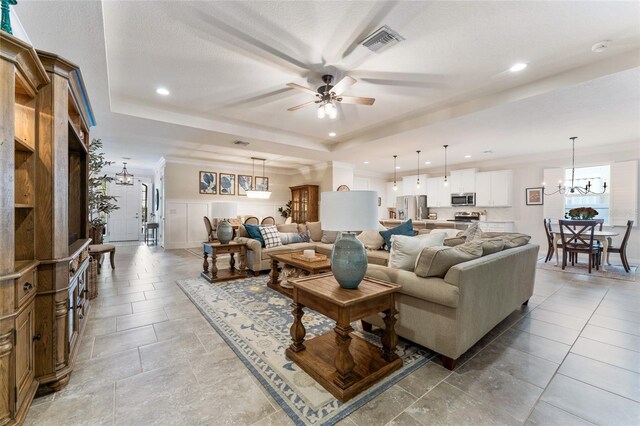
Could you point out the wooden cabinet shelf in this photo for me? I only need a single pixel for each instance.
(22, 145)
(23, 206)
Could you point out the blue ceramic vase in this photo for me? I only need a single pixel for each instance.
(224, 231)
(348, 261)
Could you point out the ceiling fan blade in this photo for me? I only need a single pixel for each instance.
(355, 100)
(301, 106)
(343, 85)
(302, 88)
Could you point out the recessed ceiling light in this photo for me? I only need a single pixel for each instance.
(332, 134)
(162, 91)
(600, 46)
(467, 156)
(397, 167)
(427, 162)
(366, 162)
(518, 67)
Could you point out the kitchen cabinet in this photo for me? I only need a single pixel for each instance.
(410, 185)
(438, 195)
(496, 226)
(494, 189)
(304, 203)
(462, 181)
(391, 196)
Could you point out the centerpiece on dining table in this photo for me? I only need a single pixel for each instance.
(581, 213)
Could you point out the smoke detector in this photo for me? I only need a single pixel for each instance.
(382, 37)
(600, 46)
(241, 143)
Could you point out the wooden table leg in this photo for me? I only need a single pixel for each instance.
(389, 338)
(243, 255)
(232, 263)
(344, 360)
(297, 328)
(205, 264)
(214, 266)
(274, 272)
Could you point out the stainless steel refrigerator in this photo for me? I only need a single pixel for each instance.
(412, 207)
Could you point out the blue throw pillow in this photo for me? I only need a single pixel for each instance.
(403, 229)
(254, 232)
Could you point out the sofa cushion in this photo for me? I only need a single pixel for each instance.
(490, 245)
(404, 229)
(323, 248)
(436, 261)
(242, 231)
(253, 231)
(315, 230)
(372, 240)
(294, 237)
(454, 241)
(287, 227)
(470, 232)
(515, 240)
(378, 257)
(329, 237)
(290, 248)
(450, 232)
(270, 235)
(405, 250)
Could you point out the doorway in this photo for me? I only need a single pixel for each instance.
(124, 224)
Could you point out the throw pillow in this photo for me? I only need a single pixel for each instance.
(490, 245)
(294, 237)
(287, 227)
(254, 232)
(449, 232)
(403, 229)
(470, 232)
(372, 240)
(513, 240)
(436, 261)
(405, 250)
(454, 241)
(329, 237)
(270, 235)
(315, 230)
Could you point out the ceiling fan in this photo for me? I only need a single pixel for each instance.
(327, 96)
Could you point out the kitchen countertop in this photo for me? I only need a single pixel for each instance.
(450, 221)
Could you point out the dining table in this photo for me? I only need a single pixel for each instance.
(603, 237)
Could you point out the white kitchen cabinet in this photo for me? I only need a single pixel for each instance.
(438, 195)
(494, 189)
(391, 195)
(462, 181)
(410, 185)
(496, 226)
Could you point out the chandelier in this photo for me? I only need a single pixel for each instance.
(260, 193)
(124, 177)
(574, 189)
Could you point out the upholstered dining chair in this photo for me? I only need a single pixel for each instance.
(252, 220)
(577, 237)
(269, 220)
(211, 233)
(622, 249)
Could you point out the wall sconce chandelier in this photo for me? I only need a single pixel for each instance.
(124, 177)
(574, 189)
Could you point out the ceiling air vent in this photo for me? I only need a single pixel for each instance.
(241, 143)
(382, 37)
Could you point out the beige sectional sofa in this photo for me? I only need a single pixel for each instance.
(450, 314)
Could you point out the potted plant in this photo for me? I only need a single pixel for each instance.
(286, 210)
(581, 213)
(100, 204)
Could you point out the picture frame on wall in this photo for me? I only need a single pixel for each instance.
(535, 196)
(262, 183)
(208, 183)
(227, 184)
(244, 184)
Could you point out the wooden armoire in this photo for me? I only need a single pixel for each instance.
(43, 222)
(304, 203)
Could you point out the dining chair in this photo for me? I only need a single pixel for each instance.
(269, 220)
(549, 233)
(622, 250)
(211, 233)
(252, 220)
(599, 222)
(577, 237)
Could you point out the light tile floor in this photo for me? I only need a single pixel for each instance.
(149, 357)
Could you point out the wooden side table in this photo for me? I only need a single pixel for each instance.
(342, 363)
(217, 275)
(287, 259)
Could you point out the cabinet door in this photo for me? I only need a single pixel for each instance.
(423, 185)
(409, 185)
(501, 188)
(391, 196)
(483, 189)
(433, 192)
(24, 351)
(455, 182)
(468, 180)
(445, 193)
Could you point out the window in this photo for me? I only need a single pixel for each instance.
(597, 175)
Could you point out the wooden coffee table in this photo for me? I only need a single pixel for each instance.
(344, 364)
(286, 259)
(217, 275)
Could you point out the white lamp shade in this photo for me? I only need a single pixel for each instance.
(349, 211)
(224, 210)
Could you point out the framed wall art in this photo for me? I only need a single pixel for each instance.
(535, 196)
(227, 184)
(208, 183)
(244, 184)
(262, 183)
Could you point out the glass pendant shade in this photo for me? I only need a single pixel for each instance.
(255, 193)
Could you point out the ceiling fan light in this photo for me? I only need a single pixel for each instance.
(321, 112)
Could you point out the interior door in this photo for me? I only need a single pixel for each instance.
(123, 224)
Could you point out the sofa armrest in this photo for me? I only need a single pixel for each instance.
(253, 245)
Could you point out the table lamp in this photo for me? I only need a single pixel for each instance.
(224, 230)
(349, 211)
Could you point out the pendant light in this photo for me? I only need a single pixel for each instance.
(418, 183)
(124, 177)
(253, 193)
(446, 183)
(582, 190)
(395, 185)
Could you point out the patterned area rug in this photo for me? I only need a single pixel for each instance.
(254, 321)
(614, 271)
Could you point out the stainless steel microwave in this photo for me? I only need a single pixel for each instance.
(466, 199)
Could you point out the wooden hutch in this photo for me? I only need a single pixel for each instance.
(304, 203)
(43, 222)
